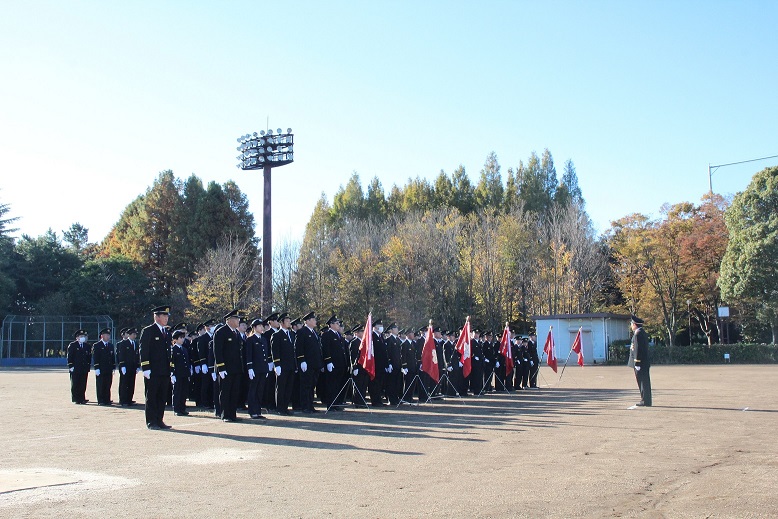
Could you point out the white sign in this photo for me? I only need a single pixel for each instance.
(723, 311)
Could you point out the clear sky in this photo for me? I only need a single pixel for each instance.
(98, 97)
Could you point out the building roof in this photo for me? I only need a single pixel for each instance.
(597, 315)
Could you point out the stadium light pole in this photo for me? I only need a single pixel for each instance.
(266, 151)
(712, 168)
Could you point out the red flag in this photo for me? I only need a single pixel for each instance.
(548, 348)
(366, 356)
(577, 347)
(506, 351)
(429, 356)
(463, 347)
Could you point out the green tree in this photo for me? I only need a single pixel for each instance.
(349, 201)
(532, 191)
(7, 284)
(489, 192)
(749, 270)
(463, 194)
(77, 237)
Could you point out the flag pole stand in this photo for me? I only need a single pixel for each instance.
(448, 383)
(356, 392)
(540, 362)
(491, 376)
(410, 386)
(563, 367)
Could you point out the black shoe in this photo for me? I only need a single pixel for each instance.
(227, 420)
(182, 413)
(640, 404)
(163, 425)
(132, 402)
(153, 426)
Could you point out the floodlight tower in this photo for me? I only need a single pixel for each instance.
(266, 151)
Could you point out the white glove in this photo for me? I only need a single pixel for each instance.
(71, 370)
(278, 371)
(251, 374)
(204, 368)
(304, 366)
(330, 366)
(197, 369)
(532, 363)
(476, 358)
(356, 371)
(637, 368)
(172, 379)
(449, 368)
(213, 376)
(147, 373)
(222, 374)
(97, 372)
(389, 369)
(270, 367)
(487, 360)
(124, 370)
(461, 365)
(497, 364)
(405, 371)
(191, 371)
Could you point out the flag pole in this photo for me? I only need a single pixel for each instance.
(568, 356)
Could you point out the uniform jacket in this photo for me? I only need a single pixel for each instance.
(394, 351)
(180, 362)
(79, 357)
(638, 350)
(228, 350)
(127, 355)
(308, 347)
(333, 347)
(257, 354)
(155, 351)
(103, 357)
(282, 348)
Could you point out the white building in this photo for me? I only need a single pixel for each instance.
(597, 332)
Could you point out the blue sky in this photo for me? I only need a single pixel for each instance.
(98, 97)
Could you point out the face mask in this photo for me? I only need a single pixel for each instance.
(211, 329)
(380, 329)
(82, 339)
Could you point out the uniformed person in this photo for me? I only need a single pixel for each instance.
(259, 362)
(104, 359)
(534, 361)
(376, 386)
(410, 368)
(285, 362)
(206, 378)
(640, 360)
(361, 377)
(180, 372)
(271, 325)
(228, 355)
(307, 345)
(155, 364)
(476, 379)
(128, 358)
(79, 365)
(336, 364)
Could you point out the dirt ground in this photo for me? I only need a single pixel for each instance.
(574, 448)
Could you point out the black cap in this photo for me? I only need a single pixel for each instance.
(122, 331)
(477, 330)
(209, 322)
(180, 326)
(273, 317)
(178, 333)
(200, 327)
(164, 309)
(279, 317)
(130, 331)
(637, 320)
(256, 322)
(393, 325)
(436, 329)
(79, 332)
(105, 330)
(377, 322)
(309, 315)
(333, 319)
(295, 322)
(348, 331)
(235, 313)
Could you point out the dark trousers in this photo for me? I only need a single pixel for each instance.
(256, 391)
(103, 387)
(307, 383)
(409, 386)
(533, 375)
(334, 381)
(644, 384)
(522, 375)
(284, 390)
(476, 378)
(216, 384)
(269, 398)
(229, 394)
(157, 389)
(194, 389)
(499, 379)
(127, 387)
(393, 385)
(206, 390)
(375, 387)
(426, 387)
(180, 393)
(361, 380)
(78, 386)
(296, 391)
(488, 383)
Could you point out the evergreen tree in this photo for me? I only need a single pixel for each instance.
(463, 196)
(489, 193)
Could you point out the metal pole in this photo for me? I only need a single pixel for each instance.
(267, 252)
(710, 179)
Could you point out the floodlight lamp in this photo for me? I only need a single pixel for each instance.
(261, 158)
(278, 131)
(289, 130)
(270, 132)
(254, 134)
(262, 132)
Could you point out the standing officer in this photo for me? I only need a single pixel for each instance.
(410, 367)
(79, 364)
(105, 362)
(259, 362)
(476, 379)
(180, 371)
(394, 376)
(534, 361)
(228, 354)
(361, 377)
(155, 363)
(376, 386)
(206, 380)
(308, 347)
(127, 357)
(271, 326)
(284, 359)
(639, 359)
(336, 363)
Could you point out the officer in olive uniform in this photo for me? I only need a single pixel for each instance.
(285, 362)
(127, 356)
(79, 364)
(228, 354)
(640, 360)
(104, 360)
(309, 360)
(155, 364)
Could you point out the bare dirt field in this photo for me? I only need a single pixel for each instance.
(571, 449)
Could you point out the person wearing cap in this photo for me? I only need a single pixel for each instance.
(104, 360)
(534, 361)
(307, 345)
(228, 354)
(155, 364)
(394, 375)
(269, 398)
(490, 361)
(196, 382)
(336, 364)
(180, 371)
(360, 376)
(476, 379)
(285, 362)
(129, 366)
(79, 365)
(409, 366)
(639, 359)
(206, 380)
(376, 386)
(259, 362)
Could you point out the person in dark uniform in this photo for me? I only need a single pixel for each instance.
(79, 365)
(228, 354)
(294, 327)
(476, 379)
(180, 371)
(271, 326)
(309, 360)
(376, 386)
(104, 360)
(243, 392)
(203, 353)
(394, 375)
(534, 361)
(127, 356)
(361, 377)
(194, 357)
(285, 362)
(336, 364)
(640, 360)
(410, 368)
(155, 363)
(490, 358)
(259, 362)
